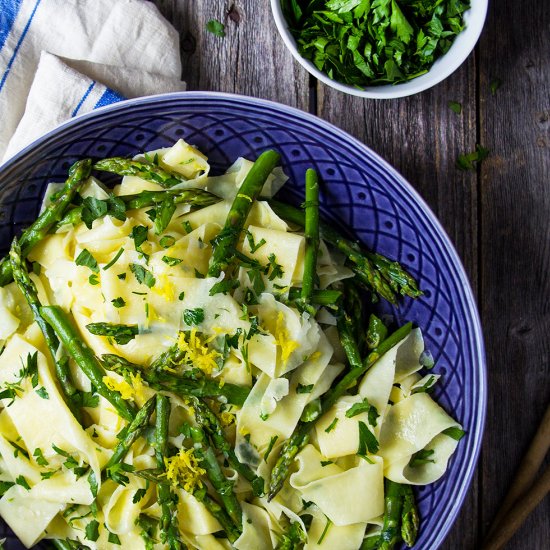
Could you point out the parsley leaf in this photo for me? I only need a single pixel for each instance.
(300, 388)
(42, 392)
(215, 27)
(455, 107)
(118, 302)
(193, 317)
(39, 457)
(86, 259)
(167, 241)
(467, 160)
(92, 530)
(143, 275)
(454, 432)
(421, 457)
(139, 235)
(171, 261)
(224, 286)
(362, 407)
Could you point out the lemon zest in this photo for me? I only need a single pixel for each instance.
(197, 353)
(227, 418)
(126, 391)
(283, 340)
(184, 470)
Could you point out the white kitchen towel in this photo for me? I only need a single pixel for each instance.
(60, 58)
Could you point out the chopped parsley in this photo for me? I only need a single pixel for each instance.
(332, 425)
(193, 317)
(224, 286)
(86, 259)
(253, 246)
(367, 441)
(42, 392)
(304, 389)
(20, 480)
(92, 530)
(167, 241)
(421, 457)
(139, 235)
(454, 432)
(114, 260)
(275, 268)
(39, 457)
(364, 407)
(371, 42)
(143, 275)
(118, 302)
(171, 261)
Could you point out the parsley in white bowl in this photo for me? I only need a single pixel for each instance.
(380, 49)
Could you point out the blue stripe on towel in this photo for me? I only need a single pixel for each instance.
(21, 38)
(86, 94)
(109, 96)
(8, 13)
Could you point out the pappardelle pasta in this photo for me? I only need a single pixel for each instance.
(188, 363)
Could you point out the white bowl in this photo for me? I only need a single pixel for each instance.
(463, 44)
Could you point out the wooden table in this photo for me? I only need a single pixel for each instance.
(498, 216)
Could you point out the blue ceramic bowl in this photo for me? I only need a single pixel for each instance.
(362, 195)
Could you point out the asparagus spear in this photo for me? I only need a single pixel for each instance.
(293, 539)
(300, 437)
(156, 476)
(159, 380)
(410, 520)
(311, 234)
(391, 529)
(327, 297)
(251, 187)
(376, 332)
(78, 173)
(219, 482)
(291, 447)
(211, 425)
(84, 358)
(382, 276)
(197, 198)
(168, 520)
(232, 532)
(66, 544)
(351, 377)
(132, 432)
(142, 169)
(28, 289)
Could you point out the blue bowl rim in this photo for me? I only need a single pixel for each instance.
(431, 217)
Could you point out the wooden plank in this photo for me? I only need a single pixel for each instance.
(250, 60)
(421, 137)
(515, 237)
